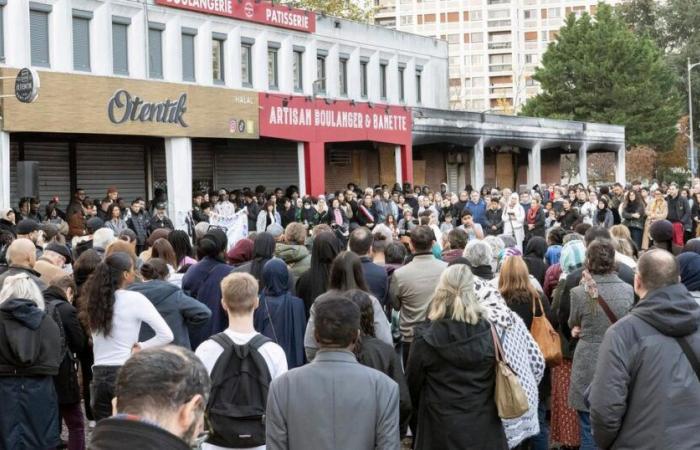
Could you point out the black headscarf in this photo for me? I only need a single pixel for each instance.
(315, 281)
(534, 258)
(263, 251)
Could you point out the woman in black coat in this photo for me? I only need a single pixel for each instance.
(534, 219)
(451, 371)
(534, 258)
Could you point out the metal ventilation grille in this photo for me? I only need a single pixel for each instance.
(341, 158)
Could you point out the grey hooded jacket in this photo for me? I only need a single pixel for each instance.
(645, 394)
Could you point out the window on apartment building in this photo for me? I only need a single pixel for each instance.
(406, 20)
(544, 36)
(530, 82)
(155, 50)
(217, 58)
(120, 45)
(554, 13)
(530, 36)
(453, 38)
(454, 60)
(419, 86)
(247, 62)
(382, 80)
(188, 61)
(321, 72)
(39, 34)
(475, 15)
(273, 65)
(402, 83)
(476, 38)
(343, 76)
(530, 14)
(476, 60)
(298, 68)
(81, 40)
(499, 14)
(363, 77)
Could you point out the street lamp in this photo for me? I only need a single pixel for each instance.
(693, 167)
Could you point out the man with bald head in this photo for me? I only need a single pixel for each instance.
(21, 257)
(646, 388)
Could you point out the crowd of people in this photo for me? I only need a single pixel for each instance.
(356, 320)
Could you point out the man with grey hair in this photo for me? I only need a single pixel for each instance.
(480, 257)
(21, 257)
(101, 239)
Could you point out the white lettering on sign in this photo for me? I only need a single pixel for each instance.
(326, 118)
(214, 6)
(287, 18)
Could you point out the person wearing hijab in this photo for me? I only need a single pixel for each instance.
(240, 253)
(314, 281)
(203, 282)
(689, 264)
(280, 316)
(534, 258)
(263, 251)
(309, 214)
(603, 216)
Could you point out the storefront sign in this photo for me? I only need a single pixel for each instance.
(319, 120)
(264, 12)
(27, 85)
(72, 103)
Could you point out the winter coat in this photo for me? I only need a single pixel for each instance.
(608, 219)
(125, 433)
(376, 279)
(261, 223)
(6, 225)
(117, 227)
(513, 224)
(493, 217)
(451, 377)
(297, 258)
(203, 282)
(587, 314)
(138, 223)
(569, 219)
(154, 223)
(655, 211)
(478, 211)
(534, 258)
(48, 271)
(181, 312)
(645, 394)
(679, 211)
(16, 270)
(628, 220)
(30, 355)
(66, 382)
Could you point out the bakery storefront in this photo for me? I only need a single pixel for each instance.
(94, 132)
(340, 141)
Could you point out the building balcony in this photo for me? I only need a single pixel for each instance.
(499, 23)
(500, 45)
(501, 68)
(531, 45)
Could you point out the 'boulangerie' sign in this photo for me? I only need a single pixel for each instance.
(315, 120)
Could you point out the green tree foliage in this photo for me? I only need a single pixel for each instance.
(599, 70)
(346, 9)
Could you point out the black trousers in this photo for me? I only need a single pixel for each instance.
(104, 379)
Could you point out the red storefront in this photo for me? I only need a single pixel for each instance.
(317, 123)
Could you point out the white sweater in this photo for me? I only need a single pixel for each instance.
(130, 310)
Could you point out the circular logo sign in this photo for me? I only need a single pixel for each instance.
(241, 126)
(249, 9)
(27, 85)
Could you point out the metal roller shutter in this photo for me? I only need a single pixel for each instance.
(14, 155)
(202, 164)
(54, 169)
(158, 167)
(250, 163)
(102, 165)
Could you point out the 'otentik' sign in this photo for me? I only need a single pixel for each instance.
(303, 119)
(27, 85)
(266, 12)
(122, 107)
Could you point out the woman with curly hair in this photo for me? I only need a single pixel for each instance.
(114, 315)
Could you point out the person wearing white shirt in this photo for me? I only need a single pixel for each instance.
(240, 299)
(115, 316)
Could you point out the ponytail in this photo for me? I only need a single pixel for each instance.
(99, 292)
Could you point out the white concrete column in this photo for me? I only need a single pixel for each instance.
(398, 166)
(301, 160)
(4, 170)
(534, 165)
(476, 165)
(178, 162)
(583, 163)
(620, 170)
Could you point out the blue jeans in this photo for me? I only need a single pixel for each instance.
(587, 442)
(541, 441)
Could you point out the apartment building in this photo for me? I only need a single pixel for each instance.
(494, 45)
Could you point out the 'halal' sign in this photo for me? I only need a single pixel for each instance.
(27, 85)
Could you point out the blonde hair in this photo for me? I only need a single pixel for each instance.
(514, 281)
(623, 246)
(239, 292)
(455, 298)
(21, 286)
(620, 232)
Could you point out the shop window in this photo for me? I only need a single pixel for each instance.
(155, 50)
(321, 73)
(120, 45)
(382, 80)
(402, 83)
(363, 78)
(272, 73)
(343, 77)
(39, 34)
(81, 40)
(217, 58)
(188, 61)
(247, 62)
(298, 69)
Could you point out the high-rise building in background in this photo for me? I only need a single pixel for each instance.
(494, 45)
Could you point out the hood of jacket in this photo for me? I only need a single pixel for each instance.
(23, 311)
(461, 344)
(672, 310)
(291, 254)
(157, 291)
(275, 277)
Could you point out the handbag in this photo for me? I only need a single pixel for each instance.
(546, 336)
(509, 395)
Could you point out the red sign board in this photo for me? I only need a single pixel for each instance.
(305, 119)
(265, 12)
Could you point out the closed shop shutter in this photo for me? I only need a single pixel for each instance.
(250, 163)
(100, 166)
(202, 165)
(339, 169)
(54, 170)
(158, 166)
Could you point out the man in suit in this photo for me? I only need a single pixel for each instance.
(360, 243)
(334, 402)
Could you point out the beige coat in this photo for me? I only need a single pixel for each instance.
(655, 211)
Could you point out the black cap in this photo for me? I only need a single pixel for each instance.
(94, 224)
(26, 226)
(61, 250)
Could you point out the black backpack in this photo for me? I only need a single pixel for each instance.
(240, 382)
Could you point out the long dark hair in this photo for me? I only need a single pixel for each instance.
(263, 251)
(181, 244)
(163, 250)
(362, 300)
(99, 291)
(346, 273)
(602, 212)
(635, 205)
(325, 248)
(82, 269)
(212, 245)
